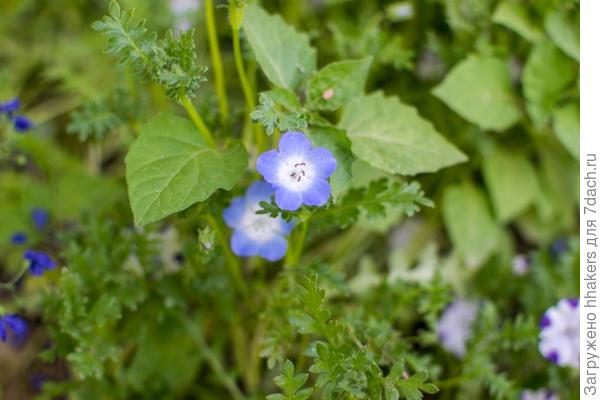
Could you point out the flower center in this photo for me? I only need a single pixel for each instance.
(261, 228)
(298, 172)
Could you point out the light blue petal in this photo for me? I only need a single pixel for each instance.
(259, 191)
(243, 245)
(322, 162)
(294, 144)
(234, 213)
(288, 199)
(268, 165)
(286, 227)
(317, 194)
(274, 249)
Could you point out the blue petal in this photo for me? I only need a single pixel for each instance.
(18, 238)
(234, 213)
(40, 218)
(259, 191)
(294, 144)
(17, 325)
(243, 245)
(286, 227)
(268, 165)
(21, 123)
(274, 249)
(322, 162)
(10, 106)
(38, 261)
(2, 330)
(317, 194)
(288, 199)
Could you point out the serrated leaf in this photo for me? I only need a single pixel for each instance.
(170, 167)
(514, 16)
(479, 90)
(511, 180)
(469, 223)
(284, 54)
(392, 136)
(564, 33)
(337, 83)
(566, 127)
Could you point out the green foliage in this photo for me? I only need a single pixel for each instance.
(169, 62)
(392, 136)
(170, 167)
(291, 384)
(279, 109)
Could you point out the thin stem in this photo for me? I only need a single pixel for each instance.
(248, 92)
(10, 284)
(232, 262)
(215, 55)
(197, 119)
(293, 255)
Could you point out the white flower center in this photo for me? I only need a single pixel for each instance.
(296, 174)
(260, 227)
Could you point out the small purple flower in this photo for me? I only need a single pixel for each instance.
(14, 325)
(21, 123)
(520, 264)
(256, 234)
(298, 172)
(40, 218)
(541, 394)
(10, 106)
(18, 238)
(455, 325)
(39, 262)
(559, 336)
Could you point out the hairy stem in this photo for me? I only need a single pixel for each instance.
(197, 119)
(215, 55)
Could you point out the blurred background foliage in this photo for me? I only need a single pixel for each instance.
(151, 313)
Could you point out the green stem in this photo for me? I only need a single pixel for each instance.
(232, 262)
(294, 253)
(248, 92)
(10, 284)
(197, 119)
(215, 55)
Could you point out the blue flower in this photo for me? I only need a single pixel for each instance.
(15, 325)
(10, 106)
(40, 218)
(39, 261)
(21, 123)
(18, 238)
(256, 234)
(298, 172)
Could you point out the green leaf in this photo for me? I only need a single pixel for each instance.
(392, 136)
(514, 16)
(546, 74)
(564, 33)
(566, 127)
(291, 384)
(170, 167)
(479, 90)
(337, 83)
(285, 55)
(511, 180)
(279, 109)
(469, 223)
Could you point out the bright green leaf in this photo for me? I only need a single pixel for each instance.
(514, 16)
(284, 54)
(337, 83)
(170, 167)
(511, 180)
(392, 136)
(469, 223)
(479, 90)
(563, 33)
(566, 127)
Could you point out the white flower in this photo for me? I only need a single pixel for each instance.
(559, 337)
(542, 394)
(181, 7)
(455, 325)
(520, 264)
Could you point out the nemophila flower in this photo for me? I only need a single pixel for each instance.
(21, 123)
(542, 394)
(256, 234)
(40, 218)
(559, 336)
(10, 106)
(298, 172)
(39, 261)
(520, 264)
(455, 326)
(13, 327)
(18, 238)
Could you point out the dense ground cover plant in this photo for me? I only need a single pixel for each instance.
(295, 200)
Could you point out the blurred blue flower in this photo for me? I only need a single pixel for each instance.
(559, 336)
(18, 238)
(10, 106)
(256, 234)
(298, 172)
(541, 394)
(14, 325)
(455, 325)
(40, 218)
(21, 123)
(39, 261)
